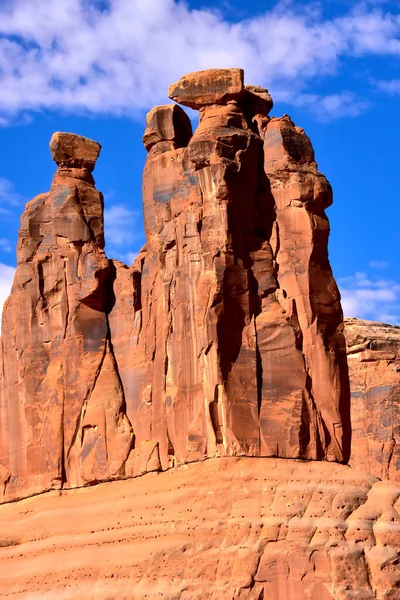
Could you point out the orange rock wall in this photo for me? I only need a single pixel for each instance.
(374, 365)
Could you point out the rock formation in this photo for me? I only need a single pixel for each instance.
(224, 338)
(374, 364)
(62, 413)
(241, 349)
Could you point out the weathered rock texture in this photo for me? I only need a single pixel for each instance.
(224, 338)
(374, 364)
(241, 348)
(224, 529)
(62, 411)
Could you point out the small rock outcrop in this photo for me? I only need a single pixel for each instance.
(374, 364)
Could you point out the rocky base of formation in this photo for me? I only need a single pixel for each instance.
(230, 528)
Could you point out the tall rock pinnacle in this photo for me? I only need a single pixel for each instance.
(62, 409)
(224, 338)
(242, 326)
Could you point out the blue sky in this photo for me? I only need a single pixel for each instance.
(94, 67)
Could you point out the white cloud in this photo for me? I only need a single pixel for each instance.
(8, 195)
(331, 106)
(391, 86)
(123, 232)
(77, 55)
(5, 245)
(366, 298)
(378, 264)
(6, 280)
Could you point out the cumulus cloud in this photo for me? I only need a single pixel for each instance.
(120, 56)
(123, 232)
(368, 298)
(6, 280)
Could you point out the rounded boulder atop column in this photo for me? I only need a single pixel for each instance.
(71, 150)
(167, 123)
(257, 99)
(203, 88)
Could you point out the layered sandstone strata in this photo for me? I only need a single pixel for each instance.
(374, 365)
(223, 529)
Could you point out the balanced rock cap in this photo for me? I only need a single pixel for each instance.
(202, 88)
(167, 123)
(69, 149)
(257, 99)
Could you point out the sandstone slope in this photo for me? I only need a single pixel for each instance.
(226, 529)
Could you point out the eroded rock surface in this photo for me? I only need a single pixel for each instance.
(374, 365)
(223, 529)
(205, 88)
(224, 338)
(62, 413)
(241, 349)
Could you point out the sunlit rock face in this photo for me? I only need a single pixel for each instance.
(242, 347)
(224, 338)
(62, 414)
(374, 366)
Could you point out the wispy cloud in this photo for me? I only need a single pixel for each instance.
(328, 107)
(123, 232)
(391, 86)
(8, 195)
(378, 264)
(119, 56)
(130, 257)
(369, 298)
(5, 245)
(6, 280)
